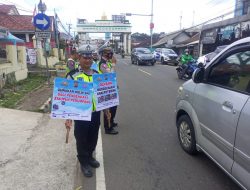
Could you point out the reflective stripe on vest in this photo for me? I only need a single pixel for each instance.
(109, 64)
(86, 78)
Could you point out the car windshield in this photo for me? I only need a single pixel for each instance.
(211, 55)
(168, 51)
(146, 51)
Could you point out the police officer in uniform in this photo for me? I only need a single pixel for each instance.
(95, 64)
(71, 62)
(105, 66)
(86, 132)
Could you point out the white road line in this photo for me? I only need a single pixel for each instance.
(100, 174)
(144, 72)
(125, 63)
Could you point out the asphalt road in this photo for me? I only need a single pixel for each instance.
(146, 154)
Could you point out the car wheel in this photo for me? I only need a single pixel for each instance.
(162, 61)
(152, 63)
(176, 64)
(137, 62)
(186, 134)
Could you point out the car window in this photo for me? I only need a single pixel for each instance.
(233, 72)
(143, 51)
(168, 51)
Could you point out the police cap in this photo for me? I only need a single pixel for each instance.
(85, 51)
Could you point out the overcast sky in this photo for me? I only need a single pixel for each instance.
(166, 12)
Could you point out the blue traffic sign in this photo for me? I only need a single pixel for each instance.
(42, 21)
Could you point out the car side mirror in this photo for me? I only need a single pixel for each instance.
(198, 75)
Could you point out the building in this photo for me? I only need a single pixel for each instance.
(180, 40)
(21, 26)
(242, 7)
(223, 33)
(105, 26)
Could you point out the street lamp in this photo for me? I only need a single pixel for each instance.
(151, 26)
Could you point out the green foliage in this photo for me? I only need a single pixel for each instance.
(12, 96)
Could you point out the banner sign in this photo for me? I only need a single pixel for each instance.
(105, 90)
(31, 56)
(72, 100)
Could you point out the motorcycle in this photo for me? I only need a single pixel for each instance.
(188, 68)
(123, 54)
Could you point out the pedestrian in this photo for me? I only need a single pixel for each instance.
(86, 132)
(107, 65)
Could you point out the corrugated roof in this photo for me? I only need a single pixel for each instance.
(8, 9)
(168, 37)
(18, 22)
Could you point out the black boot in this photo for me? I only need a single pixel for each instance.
(86, 170)
(111, 131)
(114, 124)
(93, 162)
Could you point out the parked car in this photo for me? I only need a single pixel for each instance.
(165, 55)
(141, 56)
(208, 57)
(213, 111)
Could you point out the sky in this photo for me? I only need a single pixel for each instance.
(167, 13)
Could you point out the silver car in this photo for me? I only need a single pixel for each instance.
(213, 111)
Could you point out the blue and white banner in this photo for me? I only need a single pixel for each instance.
(72, 100)
(105, 90)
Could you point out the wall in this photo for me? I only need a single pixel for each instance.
(52, 60)
(16, 62)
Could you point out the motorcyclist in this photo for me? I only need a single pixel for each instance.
(122, 53)
(185, 59)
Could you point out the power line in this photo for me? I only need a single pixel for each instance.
(17, 5)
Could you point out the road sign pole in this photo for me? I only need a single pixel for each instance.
(47, 65)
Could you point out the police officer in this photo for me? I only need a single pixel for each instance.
(106, 65)
(86, 132)
(71, 62)
(95, 63)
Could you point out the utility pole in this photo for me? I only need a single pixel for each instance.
(69, 29)
(180, 20)
(193, 18)
(151, 25)
(56, 35)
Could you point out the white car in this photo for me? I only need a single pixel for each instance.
(165, 55)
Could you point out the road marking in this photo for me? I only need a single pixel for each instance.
(125, 63)
(100, 174)
(144, 72)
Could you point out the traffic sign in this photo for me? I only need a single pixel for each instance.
(42, 21)
(42, 35)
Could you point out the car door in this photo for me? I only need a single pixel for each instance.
(218, 103)
(241, 166)
(157, 54)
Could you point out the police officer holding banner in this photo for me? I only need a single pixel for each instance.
(86, 132)
(107, 65)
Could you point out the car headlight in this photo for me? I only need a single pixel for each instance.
(180, 90)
